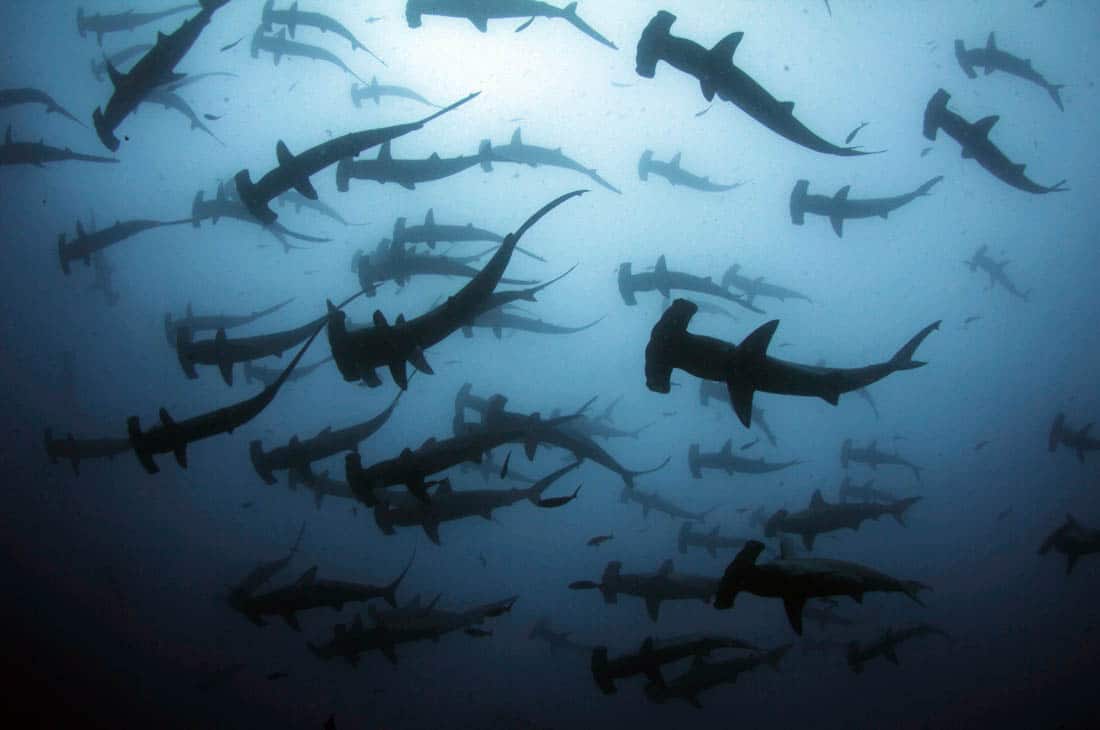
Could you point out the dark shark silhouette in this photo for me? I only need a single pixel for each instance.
(393, 262)
(886, 645)
(996, 271)
(360, 352)
(292, 17)
(840, 207)
(1076, 440)
(375, 91)
(155, 68)
(653, 655)
(709, 389)
(28, 95)
(663, 280)
(676, 175)
(75, 450)
(1073, 540)
(278, 45)
(482, 11)
(168, 99)
(407, 173)
(796, 580)
(298, 456)
(821, 517)
(99, 66)
(975, 142)
(704, 675)
(254, 373)
(103, 23)
(213, 322)
(866, 492)
(84, 245)
(260, 575)
(651, 501)
(717, 74)
(519, 152)
(431, 233)
(873, 457)
(724, 460)
(499, 320)
(747, 368)
(39, 153)
(294, 171)
(757, 287)
(711, 541)
(992, 58)
(222, 206)
(544, 632)
(662, 585)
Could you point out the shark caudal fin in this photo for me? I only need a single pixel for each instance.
(903, 359)
(798, 202)
(1057, 429)
(652, 43)
(1054, 91)
(751, 355)
(926, 188)
(599, 671)
(260, 463)
(643, 165)
(626, 284)
(664, 344)
(693, 463)
(964, 61)
(485, 155)
(732, 578)
(389, 593)
(933, 112)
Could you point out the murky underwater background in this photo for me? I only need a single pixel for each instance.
(115, 579)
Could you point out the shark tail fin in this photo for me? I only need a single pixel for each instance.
(693, 463)
(933, 112)
(485, 155)
(390, 592)
(903, 358)
(964, 62)
(1054, 91)
(643, 165)
(798, 202)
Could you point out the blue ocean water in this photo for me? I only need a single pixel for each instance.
(116, 579)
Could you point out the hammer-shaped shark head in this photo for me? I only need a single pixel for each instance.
(664, 340)
(651, 44)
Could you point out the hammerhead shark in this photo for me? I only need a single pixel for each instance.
(704, 675)
(665, 584)
(796, 580)
(259, 576)
(432, 233)
(278, 45)
(360, 352)
(299, 201)
(407, 173)
(254, 373)
(886, 645)
(76, 450)
(102, 23)
(840, 207)
(293, 17)
(724, 460)
(222, 206)
(709, 541)
(747, 368)
(499, 320)
(86, 244)
(169, 99)
(1073, 540)
(393, 262)
(1075, 440)
(104, 282)
(757, 287)
(39, 153)
(993, 59)
(996, 271)
(481, 12)
(821, 517)
(663, 280)
(976, 145)
(866, 492)
(651, 501)
(155, 68)
(533, 156)
(448, 505)
(173, 437)
(711, 389)
(27, 95)
(873, 457)
(294, 171)
(213, 322)
(716, 72)
(543, 631)
(676, 175)
(375, 90)
(298, 456)
(652, 656)
(99, 67)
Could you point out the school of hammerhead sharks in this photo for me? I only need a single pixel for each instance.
(411, 488)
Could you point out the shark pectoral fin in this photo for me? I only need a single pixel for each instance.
(181, 455)
(399, 374)
(481, 23)
(305, 187)
(794, 608)
(420, 362)
(741, 398)
(707, 86)
(837, 222)
(653, 607)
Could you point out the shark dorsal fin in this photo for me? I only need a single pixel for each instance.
(429, 219)
(662, 266)
(221, 195)
(517, 137)
(308, 577)
(991, 42)
(434, 156)
(675, 161)
(384, 152)
(817, 501)
(842, 194)
(282, 34)
(665, 569)
(283, 153)
(724, 49)
(985, 124)
(727, 448)
(374, 81)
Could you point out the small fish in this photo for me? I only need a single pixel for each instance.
(558, 501)
(699, 114)
(477, 633)
(750, 444)
(854, 132)
(980, 445)
(504, 469)
(277, 675)
(231, 45)
(599, 540)
(213, 117)
(925, 151)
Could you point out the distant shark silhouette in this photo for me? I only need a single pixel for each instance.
(375, 91)
(103, 23)
(482, 11)
(676, 175)
(992, 58)
(27, 95)
(840, 207)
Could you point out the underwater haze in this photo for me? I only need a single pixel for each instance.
(956, 590)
